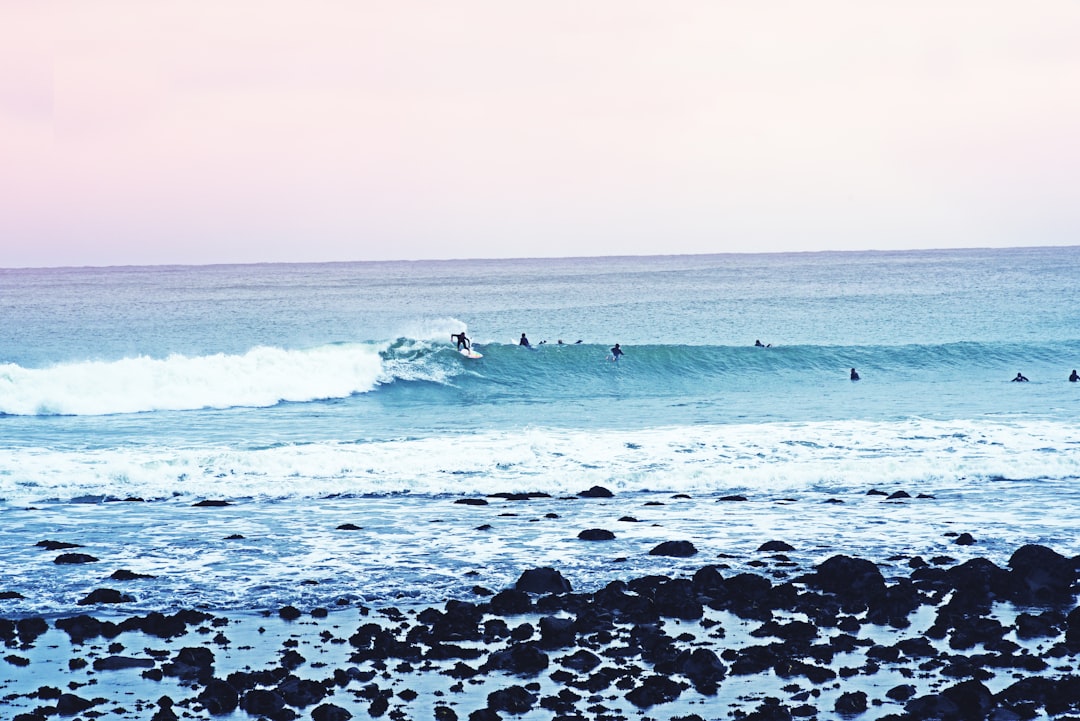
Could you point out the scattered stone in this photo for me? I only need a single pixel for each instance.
(124, 574)
(596, 492)
(964, 539)
(330, 712)
(775, 547)
(675, 549)
(596, 534)
(542, 580)
(56, 545)
(105, 595)
(513, 699)
(116, 663)
(852, 702)
(655, 690)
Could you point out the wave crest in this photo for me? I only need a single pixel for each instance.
(263, 376)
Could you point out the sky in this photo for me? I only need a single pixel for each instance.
(173, 131)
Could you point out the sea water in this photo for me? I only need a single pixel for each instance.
(313, 397)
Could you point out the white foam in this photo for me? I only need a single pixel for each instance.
(694, 459)
(433, 329)
(261, 377)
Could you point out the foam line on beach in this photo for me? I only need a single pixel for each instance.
(692, 459)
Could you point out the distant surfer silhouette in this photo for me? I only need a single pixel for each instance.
(759, 344)
(616, 352)
(1073, 377)
(524, 341)
(854, 375)
(1021, 379)
(462, 340)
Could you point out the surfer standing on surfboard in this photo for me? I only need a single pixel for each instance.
(462, 340)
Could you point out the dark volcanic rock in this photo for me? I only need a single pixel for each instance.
(56, 545)
(556, 632)
(105, 595)
(542, 580)
(702, 667)
(81, 628)
(289, 613)
(301, 692)
(581, 661)
(655, 690)
(522, 659)
(1072, 630)
(510, 602)
(30, 628)
(514, 699)
(596, 492)
(162, 626)
(459, 622)
(124, 574)
(69, 704)
(1041, 575)
(853, 580)
(73, 558)
(614, 602)
(677, 599)
(967, 701)
(675, 549)
(775, 547)
(972, 699)
(115, 663)
(262, 702)
(596, 534)
(219, 697)
(852, 702)
(211, 504)
(330, 712)
(484, 714)
(191, 663)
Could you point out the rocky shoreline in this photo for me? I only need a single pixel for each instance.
(963, 641)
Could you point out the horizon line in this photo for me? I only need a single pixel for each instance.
(829, 251)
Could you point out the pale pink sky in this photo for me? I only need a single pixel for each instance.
(139, 132)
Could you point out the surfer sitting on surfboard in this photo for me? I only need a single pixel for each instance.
(462, 340)
(616, 352)
(524, 341)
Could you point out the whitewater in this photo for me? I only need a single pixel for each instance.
(314, 395)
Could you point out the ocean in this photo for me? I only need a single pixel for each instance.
(328, 407)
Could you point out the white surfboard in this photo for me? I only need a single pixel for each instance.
(470, 353)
